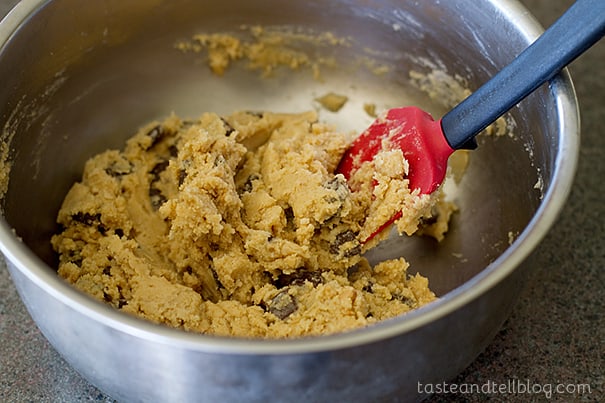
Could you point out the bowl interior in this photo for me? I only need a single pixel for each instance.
(82, 80)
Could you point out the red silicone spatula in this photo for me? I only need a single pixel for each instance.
(427, 144)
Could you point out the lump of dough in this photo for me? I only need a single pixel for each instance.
(238, 225)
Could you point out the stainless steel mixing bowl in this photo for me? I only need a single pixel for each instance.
(77, 80)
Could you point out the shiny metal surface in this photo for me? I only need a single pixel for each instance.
(81, 80)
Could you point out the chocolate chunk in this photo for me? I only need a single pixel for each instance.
(102, 229)
(290, 219)
(354, 251)
(87, 218)
(283, 305)
(338, 195)
(156, 134)
(117, 169)
(409, 301)
(219, 161)
(90, 220)
(121, 300)
(248, 186)
(181, 176)
(299, 277)
(346, 243)
(209, 284)
(346, 236)
(157, 198)
(228, 128)
(187, 123)
(216, 278)
(426, 221)
(173, 151)
(289, 213)
(159, 168)
(339, 184)
(259, 115)
(77, 262)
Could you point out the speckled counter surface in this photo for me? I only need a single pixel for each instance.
(555, 335)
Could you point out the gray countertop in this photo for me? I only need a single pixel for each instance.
(555, 335)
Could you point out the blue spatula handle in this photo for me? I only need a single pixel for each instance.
(582, 25)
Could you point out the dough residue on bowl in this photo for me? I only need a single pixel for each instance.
(263, 48)
(237, 225)
(332, 101)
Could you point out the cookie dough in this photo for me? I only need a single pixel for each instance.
(332, 102)
(239, 226)
(263, 49)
